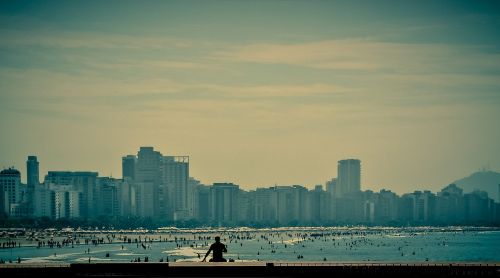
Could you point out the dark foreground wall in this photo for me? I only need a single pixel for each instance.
(309, 270)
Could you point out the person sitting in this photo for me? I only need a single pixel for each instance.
(217, 249)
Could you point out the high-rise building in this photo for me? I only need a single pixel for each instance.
(126, 198)
(421, 206)
(84, 182)
(224, 203)
(175, 185)
(349, 176)
(10, 190)
(148, 182)
(202, 203)
(331, 186)
(44, 202)
(33, 180)
(158, 185)
(287, 208)
(128, 166)
(387, 207)
(320, 205)
(67, 202)
(265, 205)
(450, 205)
(108, 198)
(33, 171)
(243, 208)
(192, 195)
(301, 197)
(478, 207)
(350, 208)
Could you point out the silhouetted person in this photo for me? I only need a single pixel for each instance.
(217, 249)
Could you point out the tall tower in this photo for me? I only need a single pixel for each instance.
(148, 181)
(349, 176)
(33, 172)
(33, 180)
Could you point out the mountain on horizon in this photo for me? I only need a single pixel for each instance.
(484, 180)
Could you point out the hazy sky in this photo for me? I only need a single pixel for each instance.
(255, 92)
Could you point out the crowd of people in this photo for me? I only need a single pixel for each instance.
(264, 244)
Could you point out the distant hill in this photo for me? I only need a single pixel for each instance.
(487, 181)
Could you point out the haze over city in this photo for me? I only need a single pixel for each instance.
(262, 138)
(256, 93)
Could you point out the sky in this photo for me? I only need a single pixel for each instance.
(256, 92)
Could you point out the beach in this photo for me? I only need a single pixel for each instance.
(291, 244)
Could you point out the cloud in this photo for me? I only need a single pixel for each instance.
(50, 93)
(107, 51)
(141, 64)
(323, 54)
(93, 40)
(367, 55)
(368, 77)
(54, 84)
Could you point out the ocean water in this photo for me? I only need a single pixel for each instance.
(284, 244)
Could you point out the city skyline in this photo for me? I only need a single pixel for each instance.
(41, 168)
(158, 188)
(258, 92)
(347, 180)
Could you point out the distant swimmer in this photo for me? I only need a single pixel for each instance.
(217, 249)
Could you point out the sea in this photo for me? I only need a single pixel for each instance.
(290, 244)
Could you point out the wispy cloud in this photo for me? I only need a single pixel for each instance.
(141, 64)
(93, 40)
(366, 55)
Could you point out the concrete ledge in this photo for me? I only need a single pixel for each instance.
(252, 269)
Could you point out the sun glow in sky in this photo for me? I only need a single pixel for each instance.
(255, 92)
